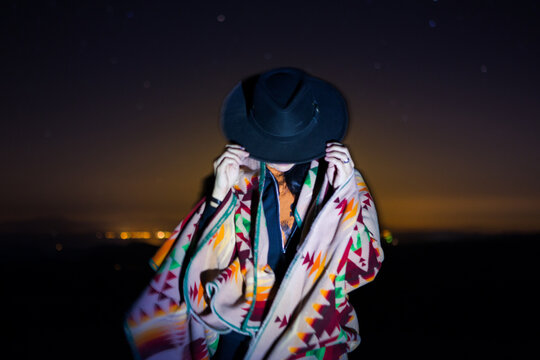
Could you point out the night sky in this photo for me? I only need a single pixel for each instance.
(110, 109)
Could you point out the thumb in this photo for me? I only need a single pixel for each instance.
(331, 172)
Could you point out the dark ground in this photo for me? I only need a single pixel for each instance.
(459, 297)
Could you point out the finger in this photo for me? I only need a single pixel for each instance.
(231, 168)
(339, 148)
(337, 162)
(345, 157)
(227, 159)
(331, 172)
(225, 166)
(223, 161)
(340, 171)
(236, 154)
(240, 152)
(235, 146)
(341, 166)
(339, 156)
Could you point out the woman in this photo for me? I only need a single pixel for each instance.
(262, 267)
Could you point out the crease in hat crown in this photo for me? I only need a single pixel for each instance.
(283, 103)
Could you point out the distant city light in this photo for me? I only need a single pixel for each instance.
(387, 236)
(136, 235)
(59, 247)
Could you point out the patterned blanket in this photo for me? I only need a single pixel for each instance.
(220, 281)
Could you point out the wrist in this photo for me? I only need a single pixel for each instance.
(213, 202)
(218, 195)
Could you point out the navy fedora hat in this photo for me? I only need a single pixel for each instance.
(284, 116)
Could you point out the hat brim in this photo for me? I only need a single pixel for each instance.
(331, 125)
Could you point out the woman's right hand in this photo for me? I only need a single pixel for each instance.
(226, 169)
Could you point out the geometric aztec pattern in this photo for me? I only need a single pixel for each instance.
(226, 282)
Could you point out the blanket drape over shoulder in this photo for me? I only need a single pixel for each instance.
(220, 281)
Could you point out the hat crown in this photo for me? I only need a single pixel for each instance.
(283, 104)
(282, 86)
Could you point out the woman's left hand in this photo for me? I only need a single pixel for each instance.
(340, 164)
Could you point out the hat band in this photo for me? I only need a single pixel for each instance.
(312, 122)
